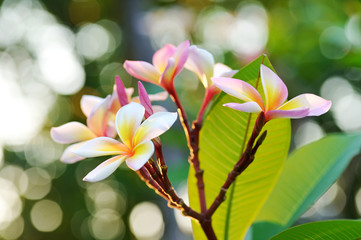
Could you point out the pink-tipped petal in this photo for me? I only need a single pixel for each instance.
(97, 119)
(167, 77)
(221, 70)
(71, 132)
(88, 102)
(121, 91)
(154, 126)
(128, 120)
(274, 88)
(105, 169)
(317, 105)
(239, 89)
(111, 130)
(143, 71)
(180, 56)
(114, 104)
(144, 100)
(160, 57)
(101, 146)
(69, 157)
(142, 153)
(294, 113)
(201, 62)
(250, 107)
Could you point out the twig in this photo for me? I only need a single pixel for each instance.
(144, 176)
(182, 114)
(192, 135)
(194, 160)
(168, 188)
(242, 164)
(154, 173)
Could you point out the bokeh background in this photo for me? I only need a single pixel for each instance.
(52, 52)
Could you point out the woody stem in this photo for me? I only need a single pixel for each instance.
(192, 135)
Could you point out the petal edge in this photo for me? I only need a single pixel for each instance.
(275, 90)
(104, 170)
(142, 153)
(250, 107)
(71, 132)
(154, 126)
(316, 104)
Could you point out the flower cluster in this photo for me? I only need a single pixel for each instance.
(120, 115)
(117, 114)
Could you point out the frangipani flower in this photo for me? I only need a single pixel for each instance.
(201, 62)
(135, 147)
(77, 133)
(276, 93)
(167, 63)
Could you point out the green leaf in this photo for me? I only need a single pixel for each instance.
(325, 230)
(222, 140)
(307, 174)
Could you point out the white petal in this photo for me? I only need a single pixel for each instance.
(201, 62)
(142, 153)
(68, 155)
(71, 132)
(128, 120)
(101, 146)
(154, 126)
(114, 104)
(293, 113)
(97, 120)
(316, 104)
(239, 89)
(143, 71)
(161, 56)
(251, 107)
(104, 170)
(221, 70)
(275, 90)
(88, 102)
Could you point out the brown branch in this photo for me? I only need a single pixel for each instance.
(160, 158)
(144, 176)
(182, 114)
(194, 160)
(154, 173)
(192, 135)
(168, 188)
